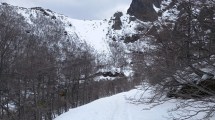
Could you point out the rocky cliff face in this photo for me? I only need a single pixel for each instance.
(143, 9)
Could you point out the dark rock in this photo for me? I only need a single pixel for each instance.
(140, 28)
(143, 9)
(132, 18)
(111, 74)
(152, 31)
(138, 52)
(117, 21)
(114, 39)
(53, 17)
(42, 10)
(118, 14)
(27, 31)
(49, 10)
(131, 39)
(208, 85)
(4, 3)
(65, 33)
(206, 18)
(203, 89)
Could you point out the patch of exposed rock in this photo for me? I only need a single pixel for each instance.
(143, 9)
(117, 25)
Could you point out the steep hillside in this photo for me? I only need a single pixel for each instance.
(98, 34)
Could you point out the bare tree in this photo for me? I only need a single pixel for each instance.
(184, 49)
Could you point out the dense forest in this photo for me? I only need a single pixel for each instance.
(44, 72)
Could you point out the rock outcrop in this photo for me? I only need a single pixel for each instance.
(143, 9)
(117, 21)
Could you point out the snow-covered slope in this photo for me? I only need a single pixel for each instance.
(99, 34)
(107, 43)
(92, 32)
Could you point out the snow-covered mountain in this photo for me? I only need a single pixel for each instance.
(122, 29)
(112, 40)
(97, 33)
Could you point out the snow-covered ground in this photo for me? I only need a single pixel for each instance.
(92, 31)
(116, 107)
(120, 107)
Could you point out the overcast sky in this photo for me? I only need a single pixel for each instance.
(78, 9)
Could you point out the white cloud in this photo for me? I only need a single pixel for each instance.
(109, 12)
(21, 3)
(79, 9)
